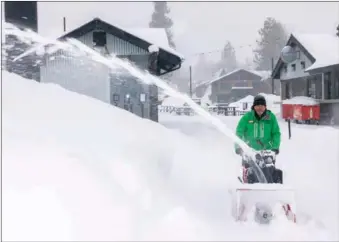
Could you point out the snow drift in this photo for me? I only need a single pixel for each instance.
(76, 168)
(85, 170)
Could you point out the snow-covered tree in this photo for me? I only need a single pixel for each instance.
(228, 57)
(273, 38)
(161, 20)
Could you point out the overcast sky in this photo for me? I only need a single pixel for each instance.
(198, 26)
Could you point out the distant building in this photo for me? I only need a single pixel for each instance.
(238, 84)
(201, 88)
(314, 74)
(117, 87)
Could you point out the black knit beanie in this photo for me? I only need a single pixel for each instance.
(259, 100)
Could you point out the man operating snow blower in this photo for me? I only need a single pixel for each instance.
(259, 128)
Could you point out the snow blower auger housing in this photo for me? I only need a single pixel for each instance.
(261, 194)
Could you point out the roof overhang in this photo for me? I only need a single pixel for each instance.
(168, 60)
(322, 69)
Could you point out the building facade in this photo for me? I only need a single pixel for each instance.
(236, 85)
(315, 73)
(111, 84)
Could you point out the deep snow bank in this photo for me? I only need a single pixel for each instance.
(75, 168)
(100, 168)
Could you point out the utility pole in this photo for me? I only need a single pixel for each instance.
(272, 67)
(64, 22)
(191, 82)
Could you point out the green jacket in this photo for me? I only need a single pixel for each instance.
(259, 134)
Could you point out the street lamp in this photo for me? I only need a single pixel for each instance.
(127, 102)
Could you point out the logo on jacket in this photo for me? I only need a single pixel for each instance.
(266, 117)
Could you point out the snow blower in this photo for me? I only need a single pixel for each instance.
(261, 193)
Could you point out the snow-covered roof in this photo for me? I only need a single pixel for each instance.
(262, 74)
(302, 100)
(239, 104)
(154, 36)
(242, 88)
(218, 73)
(271, 100)
(323, 47)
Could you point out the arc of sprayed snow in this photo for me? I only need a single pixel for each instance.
(114, 62)
(10, 29)
(29, 51)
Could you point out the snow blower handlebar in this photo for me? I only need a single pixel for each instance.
(263, 158)
(265, 155)
(266, 158)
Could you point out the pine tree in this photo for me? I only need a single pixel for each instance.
(228, 57)
(273, 38)
(161, 20)
(202, 69)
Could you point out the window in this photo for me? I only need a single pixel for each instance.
(285, 68)
(99, 38)
(298, 55)
(244, 105)
(302, 64)
(222, 98)
(311, 87)
(116, 97)
(287, 90)
(293, 67)
(225, 85)
(328, 82)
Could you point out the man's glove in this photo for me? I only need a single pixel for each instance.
(239, 151)
(276, 151)
(258, 157)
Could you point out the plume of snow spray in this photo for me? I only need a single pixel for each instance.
(75, 46)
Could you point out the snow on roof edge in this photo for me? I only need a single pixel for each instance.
(168, 49)
(301, 100)
(258, 73)
(323, 47)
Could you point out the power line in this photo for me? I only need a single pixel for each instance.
(216, 51)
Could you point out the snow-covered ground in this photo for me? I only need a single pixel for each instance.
(75, 168)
